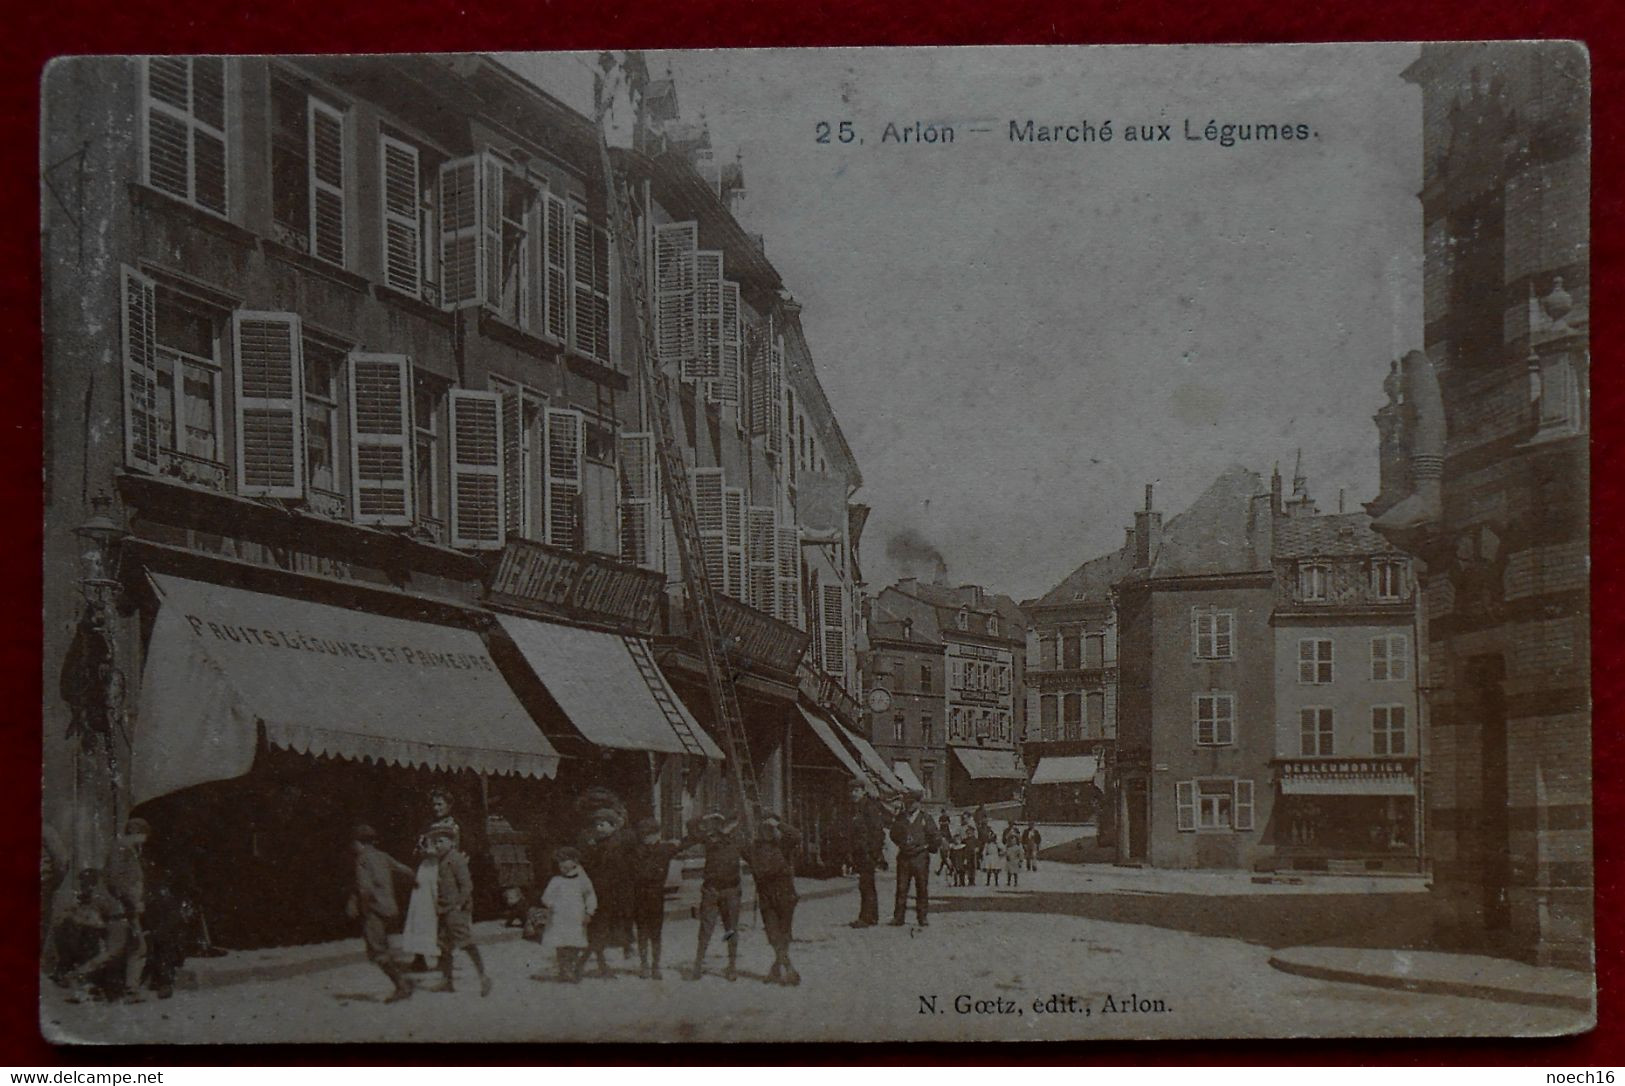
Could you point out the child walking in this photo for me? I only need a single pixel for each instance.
(568, 903)
(454, 905)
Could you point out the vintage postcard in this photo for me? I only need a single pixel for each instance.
(1007, 544)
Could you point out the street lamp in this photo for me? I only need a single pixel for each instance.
(98, 558)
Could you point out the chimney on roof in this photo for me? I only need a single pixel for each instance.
(1147, 532)
(941, 575)
(1275, 490)
(1340, 497)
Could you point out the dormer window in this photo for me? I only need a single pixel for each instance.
(1388, 578)
(1312, 580)
(962, 620)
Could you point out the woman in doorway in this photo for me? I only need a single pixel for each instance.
(420, 938)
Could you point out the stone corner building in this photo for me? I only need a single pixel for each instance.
(1483, 451)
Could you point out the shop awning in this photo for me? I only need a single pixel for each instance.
(906, 774)
(322, 680)
(879, 771)
(826, 735)
(610, 688)
(1348, 786)
(990, 764)
(1073, 769)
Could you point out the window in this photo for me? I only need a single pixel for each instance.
(428, 395)
(1215, 719)
(1314, 661)
(961, 620)
(185, 115)
(1314, 732)
(188, 378)
(1071, 650)
(1096, 718)
(1213, 805)
(400, 166)
(511, 298)
(1072, 715)
(524, 443)
(324, 369)
(898, 728)
(956, 723)
(1388, 578)
(1390, 658)
(381, 477)
(1049, 708)
(589, 325)
(1212, 634)
(1095, 651)
(1312, 579)
(925, 729)
(1047, 651)
(307, 171)
(1388, 729)
(925, 678)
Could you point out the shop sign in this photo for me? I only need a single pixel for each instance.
(755, 640)
(577, 586)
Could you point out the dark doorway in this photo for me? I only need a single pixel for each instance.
(1138, 805)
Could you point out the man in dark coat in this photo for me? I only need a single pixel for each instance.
(373, 903)
(868, 841)
(916, 838)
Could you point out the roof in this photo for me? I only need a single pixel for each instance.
(1218, 533)
(1331, 535)
(1091, 582)
(942, 602)
(893, 609)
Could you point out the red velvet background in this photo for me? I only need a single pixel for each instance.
(35, 31)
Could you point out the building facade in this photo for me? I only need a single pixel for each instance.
(1070, 689)
(1485, 468)
(342, 405)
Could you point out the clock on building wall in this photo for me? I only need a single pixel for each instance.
(879, 700)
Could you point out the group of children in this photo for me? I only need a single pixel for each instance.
(976, 846)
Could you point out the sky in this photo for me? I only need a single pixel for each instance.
(1017, 337)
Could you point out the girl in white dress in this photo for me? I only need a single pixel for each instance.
(420, 937)
(569, 902)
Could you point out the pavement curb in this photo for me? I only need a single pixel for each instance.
(191, 979)
(1432, 986)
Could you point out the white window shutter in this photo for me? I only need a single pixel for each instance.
(476, 469)
(763, 546)
(638, 484)
(1185, 804)
(733, 527)
(1244, 805)
(515, 491)
(707, 364)
(566, 437)
(325, 132)
(270, 404)
(675, 247)
(380, 438)
(398, 167)
(462, 265)
(536, 261)
(834, 608)
(707, 489)
(775, 397)
(556, 244)
(490, 235)
(728, 378)
(139, 321)
(789, 578)
(758, 357)
(601, 292)
(581, 312)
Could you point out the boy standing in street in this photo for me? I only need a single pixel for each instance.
(772, 866)
(651, 861)
(719, 890)
(373, 903)
(454, 904)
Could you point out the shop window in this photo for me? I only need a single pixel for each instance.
(1390, 658)
(308, 171)
(1388, 729)
(1315, 732)
(184, 100)
(1212, 634)
(1314, 661)
(1215, 719)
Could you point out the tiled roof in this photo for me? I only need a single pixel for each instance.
(1090, 582)
(1328, 536)
(1217, 534)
